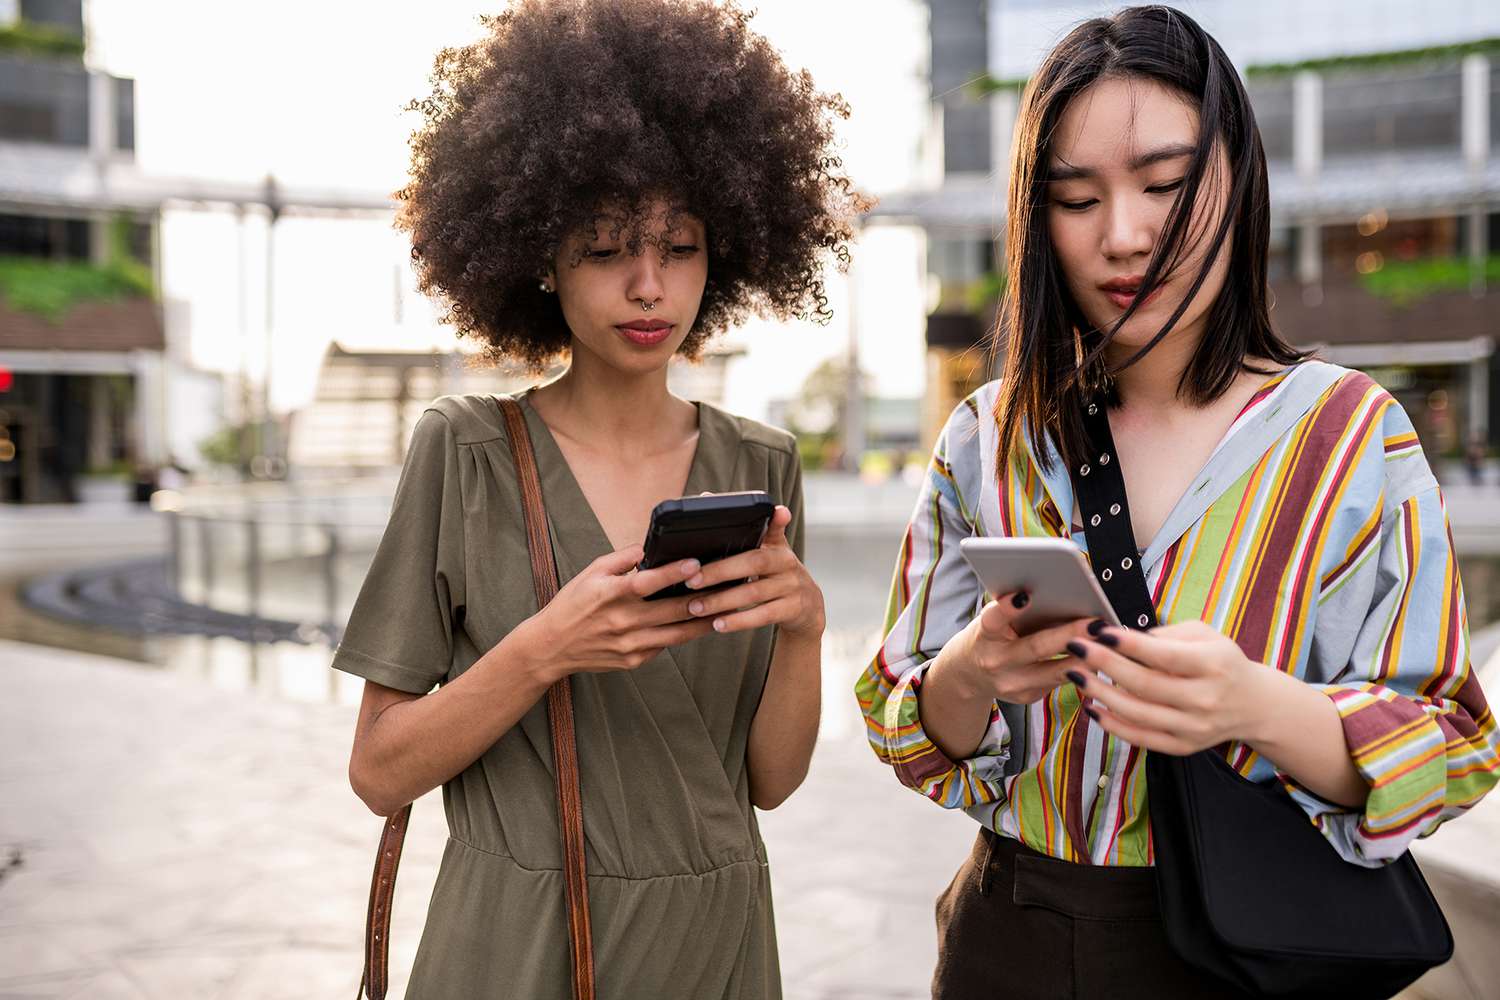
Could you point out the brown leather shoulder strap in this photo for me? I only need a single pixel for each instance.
(559, 709)
(375, 977)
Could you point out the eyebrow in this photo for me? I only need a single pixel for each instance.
(1068, 172)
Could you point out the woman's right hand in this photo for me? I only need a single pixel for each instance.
(599, 621)
(990, 661)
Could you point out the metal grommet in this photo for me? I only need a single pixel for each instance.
(1083, 470)
(1114, 508)
(1093, 410)
(1094, 521)
(1104, 459)
(1143, 621)
(1106, 576)
(1126, 563)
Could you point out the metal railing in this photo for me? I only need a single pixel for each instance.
(287, 552)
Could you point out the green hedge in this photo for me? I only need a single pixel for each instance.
(40, 40)
(50, 288)
(986, 85)
(1405, 282)
(1380, 60)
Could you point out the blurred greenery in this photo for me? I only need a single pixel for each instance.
(984, 293)
(1406, 282)
(40, 40)
(1380, 60)
(50, 288)
(222, 447)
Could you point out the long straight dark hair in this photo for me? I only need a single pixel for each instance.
(1053, 359)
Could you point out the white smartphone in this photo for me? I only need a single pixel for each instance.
(1053, 571)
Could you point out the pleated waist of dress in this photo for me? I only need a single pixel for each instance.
(595, 871)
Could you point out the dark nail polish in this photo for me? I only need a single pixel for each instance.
(1107, 640)
(1091, 713)
(1077, 649)
(1097, 625)
(1076, 678)
(1021, 599)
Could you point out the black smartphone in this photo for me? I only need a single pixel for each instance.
(706, 528)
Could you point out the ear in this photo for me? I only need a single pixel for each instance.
(548, 280)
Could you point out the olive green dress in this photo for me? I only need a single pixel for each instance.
(678, 882)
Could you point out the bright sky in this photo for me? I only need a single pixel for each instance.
(312, 90)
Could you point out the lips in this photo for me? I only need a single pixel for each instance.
(1122, 291)
(645, 332)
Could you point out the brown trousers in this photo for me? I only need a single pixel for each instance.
(1017, 924)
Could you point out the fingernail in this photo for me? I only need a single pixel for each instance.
(696, 607)
(1097, 625)
(720, 625)
(1089, 711)
(690, 567)
(1106, 639)
(1076, 678)
(1078, 650)
(1021, 599)
(695, 582)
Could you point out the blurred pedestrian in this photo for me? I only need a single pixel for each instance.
(1474, 456)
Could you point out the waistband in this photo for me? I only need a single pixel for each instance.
(1080, 891)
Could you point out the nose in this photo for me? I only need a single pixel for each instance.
(1131, 228)
(645, 284)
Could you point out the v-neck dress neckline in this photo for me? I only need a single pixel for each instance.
(554, 461)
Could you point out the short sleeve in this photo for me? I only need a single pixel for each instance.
(400, 633)
(796, 535)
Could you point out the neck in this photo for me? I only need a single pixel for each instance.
(622, 412)
(1152, 381)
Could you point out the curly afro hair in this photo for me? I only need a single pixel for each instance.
(567, 107)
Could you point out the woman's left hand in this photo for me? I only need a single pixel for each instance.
(1177, 689)
(780, 591)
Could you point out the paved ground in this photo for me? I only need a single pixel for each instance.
(174, 839)
(163, 837)
(189, 832)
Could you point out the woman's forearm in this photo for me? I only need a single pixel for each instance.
(785, 728)
(955, 713)
(1301, 733)
(410, 746)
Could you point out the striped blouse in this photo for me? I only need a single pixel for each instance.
(1315, 536)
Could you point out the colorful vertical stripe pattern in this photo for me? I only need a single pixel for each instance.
(1323, 551)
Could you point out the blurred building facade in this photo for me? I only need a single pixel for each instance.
(81, 341)
(1380, 122)
(370, 395)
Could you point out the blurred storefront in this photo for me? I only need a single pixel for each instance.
(82, 342)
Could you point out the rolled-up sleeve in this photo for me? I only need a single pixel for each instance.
(1415, 720)
(934, 595)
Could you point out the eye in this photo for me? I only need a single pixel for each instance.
(1075, 206)
(1166, 188)
(604, 254)
(684, 249)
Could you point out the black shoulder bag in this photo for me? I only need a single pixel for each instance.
(1250, 890)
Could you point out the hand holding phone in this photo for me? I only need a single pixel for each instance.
(766, 585)
(1053, 572)
(709, 527)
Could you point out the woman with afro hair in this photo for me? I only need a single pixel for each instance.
(609, 183)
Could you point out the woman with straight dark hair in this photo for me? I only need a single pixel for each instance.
(1291, 536)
